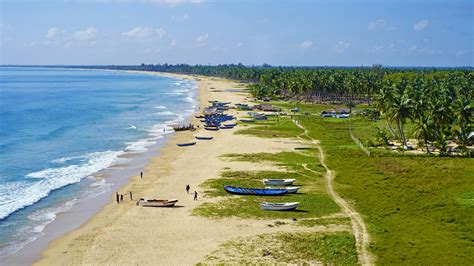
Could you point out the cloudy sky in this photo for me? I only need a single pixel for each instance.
(348, 33)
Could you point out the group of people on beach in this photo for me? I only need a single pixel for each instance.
(119, 197)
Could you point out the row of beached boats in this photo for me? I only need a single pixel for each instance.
(280, 187)
(213, 118)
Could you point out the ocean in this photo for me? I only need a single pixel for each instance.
(60, 129)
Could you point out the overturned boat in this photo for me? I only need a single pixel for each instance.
(255, 191)
(278, 182)
(157, 202)
(287, 206)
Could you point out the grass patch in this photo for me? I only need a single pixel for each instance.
(324, 221)
(419, 209)
(295, 248)
(274, 127)
(314, 201)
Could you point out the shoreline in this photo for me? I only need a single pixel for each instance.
(128, 234)
(116, 176)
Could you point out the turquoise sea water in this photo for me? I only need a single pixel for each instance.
(60, 127)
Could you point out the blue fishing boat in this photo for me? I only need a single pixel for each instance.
(204, 138)
(211, 128)
(256, 191)
(186, 144)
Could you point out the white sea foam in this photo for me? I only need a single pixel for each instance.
(17, 195)
(160, 107)
(132, 127)
(165, 113)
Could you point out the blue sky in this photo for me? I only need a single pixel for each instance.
(345, 33)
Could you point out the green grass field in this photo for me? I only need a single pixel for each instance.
(419, 209)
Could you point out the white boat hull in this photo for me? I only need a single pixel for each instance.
(291, 190)
(278, 182)
(268, 206)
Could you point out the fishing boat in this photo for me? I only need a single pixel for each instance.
(204, 138)
(278, 182)
(157, 202)
(255, 191)
(211, 128)
(226, 127)
(183, 128)
(287, 206)
(291, 190)
(230, 125)
(199, 116)
(186, 144)
(247, 120)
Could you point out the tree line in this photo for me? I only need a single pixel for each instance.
(437, 101)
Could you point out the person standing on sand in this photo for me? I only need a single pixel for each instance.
(121, 197)
(117, 197)
(188, 188)
(141, 174)
(195, 195)
(131, 196)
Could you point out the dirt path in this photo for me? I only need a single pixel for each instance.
(358, 226)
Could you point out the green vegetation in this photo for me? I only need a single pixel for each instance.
(295, 248)
(324, 221)
(314, 202)
(418, 209)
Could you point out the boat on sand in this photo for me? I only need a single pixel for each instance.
(204, 138)
(157, 202)
(287, 206)
(186, 144)
(278, 182)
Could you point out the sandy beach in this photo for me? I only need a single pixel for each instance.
(128, 234)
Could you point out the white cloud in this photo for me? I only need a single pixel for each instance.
(307, 44)
(341, 47)
(140, 32)
(52, 32)
(84, 35)
(421, 25)
(202, 38)
(380, 24)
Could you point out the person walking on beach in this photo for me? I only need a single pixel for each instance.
(121, 197)
(188, 188)
(195, 195)
(131, 196)
(117, 197)
(141, 174)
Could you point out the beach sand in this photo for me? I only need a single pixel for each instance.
(128, 234)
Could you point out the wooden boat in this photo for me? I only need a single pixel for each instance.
(200, 116)
(186, 144)
(288, 206)
(247, 120)
(230, 125)
(183, 128)
(156, 202)
(226, 127)
(211, 128)
(204, 138)
(255, 191)
(278, 182)
(291, 190)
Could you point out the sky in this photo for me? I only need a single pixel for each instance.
(279, 32)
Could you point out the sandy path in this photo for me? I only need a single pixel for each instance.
(358, 226)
